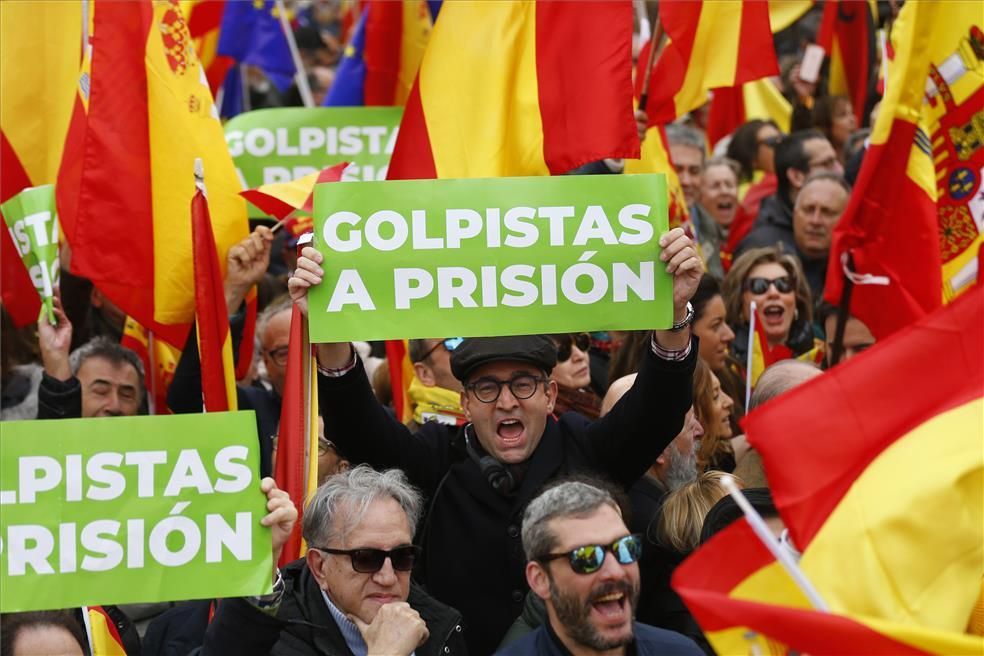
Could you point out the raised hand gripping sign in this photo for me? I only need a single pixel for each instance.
(130, 509)
(498, 256)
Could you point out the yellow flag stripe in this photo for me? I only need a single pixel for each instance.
(183, 125)
(40, 52)
(416, 31)
(917, 547)
(498, 123)
(714, 54)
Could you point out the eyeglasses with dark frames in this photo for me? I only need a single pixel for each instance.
(367, 560)
(279, 355)
(523, 386)
(589, 558)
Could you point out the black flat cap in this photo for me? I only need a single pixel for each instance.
(538, 350)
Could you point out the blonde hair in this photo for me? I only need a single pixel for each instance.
(684, 510)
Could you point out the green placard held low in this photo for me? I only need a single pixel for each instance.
(131, 509)
(419, 258)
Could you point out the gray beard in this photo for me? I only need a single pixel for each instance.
(572, 613)
(681, 469)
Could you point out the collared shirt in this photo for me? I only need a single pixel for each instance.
(356, 643)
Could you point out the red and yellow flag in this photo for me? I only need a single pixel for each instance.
(655, 158)
(847, 34)
(211, 314)
(887, 467)
(914, 222)
(396, 39)
(204, 20)
(159, 358)
(556, 95)
(297, 438)
(40, 51)
(101, 632)
(142, 116)
(401, 375)
(711, 45)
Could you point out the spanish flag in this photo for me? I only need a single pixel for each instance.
(297, 438)
(882, 492)
(847, 34)
(211, 314)
(913, 224)
(712, 45)
(143, 113)
(520, 88)
(204, 21)
(159, 358)
(381, 61)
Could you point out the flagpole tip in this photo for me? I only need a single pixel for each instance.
(199, 174)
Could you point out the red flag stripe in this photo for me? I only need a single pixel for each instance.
(210, 308)
(291, 470)
(601, 31)
(13, 176)
(412, 157)
(384, 34)
(756, 53)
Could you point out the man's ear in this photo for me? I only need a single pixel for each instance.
(795, 177)
(538, 579)
(316, 563)
(552, 391)
(424, 374)
(464, 400)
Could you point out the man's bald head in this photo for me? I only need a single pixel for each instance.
(780, 378)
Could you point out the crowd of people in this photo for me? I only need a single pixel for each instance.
(546, 486)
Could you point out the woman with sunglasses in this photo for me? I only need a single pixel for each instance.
(774, 280)
(573, 376)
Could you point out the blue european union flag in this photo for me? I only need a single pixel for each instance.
(348, 89)
(251, 34)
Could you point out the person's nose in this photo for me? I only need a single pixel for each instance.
(729, 335)
(577, 355)
(728, 402)
(506, 400)
(386, 575)
(113, 405)
(610, 569)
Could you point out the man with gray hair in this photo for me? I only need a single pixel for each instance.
(583, 563)
(351, 595)
(99, 379)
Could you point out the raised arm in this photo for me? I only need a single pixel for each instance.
(354, 419)
(630, 437)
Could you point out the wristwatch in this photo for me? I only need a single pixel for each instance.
(686, 321)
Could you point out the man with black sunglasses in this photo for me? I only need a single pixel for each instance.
(583, 564)
(479, 477)
(351, 595)
(434, 392)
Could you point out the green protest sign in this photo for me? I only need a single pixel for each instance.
(130, 509)
(33, 225)
(279, 145)
(426, 258)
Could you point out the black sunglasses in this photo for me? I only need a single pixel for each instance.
(370, 561)
(784, 285)
(565, 344)
(450, 344)
(589, 558)
(771, 142)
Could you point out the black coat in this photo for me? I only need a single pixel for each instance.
(773, 226)
(304, 626)
(473, 557)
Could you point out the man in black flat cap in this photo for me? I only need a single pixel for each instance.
(478, 478)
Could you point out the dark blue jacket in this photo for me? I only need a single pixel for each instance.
(649, 641)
